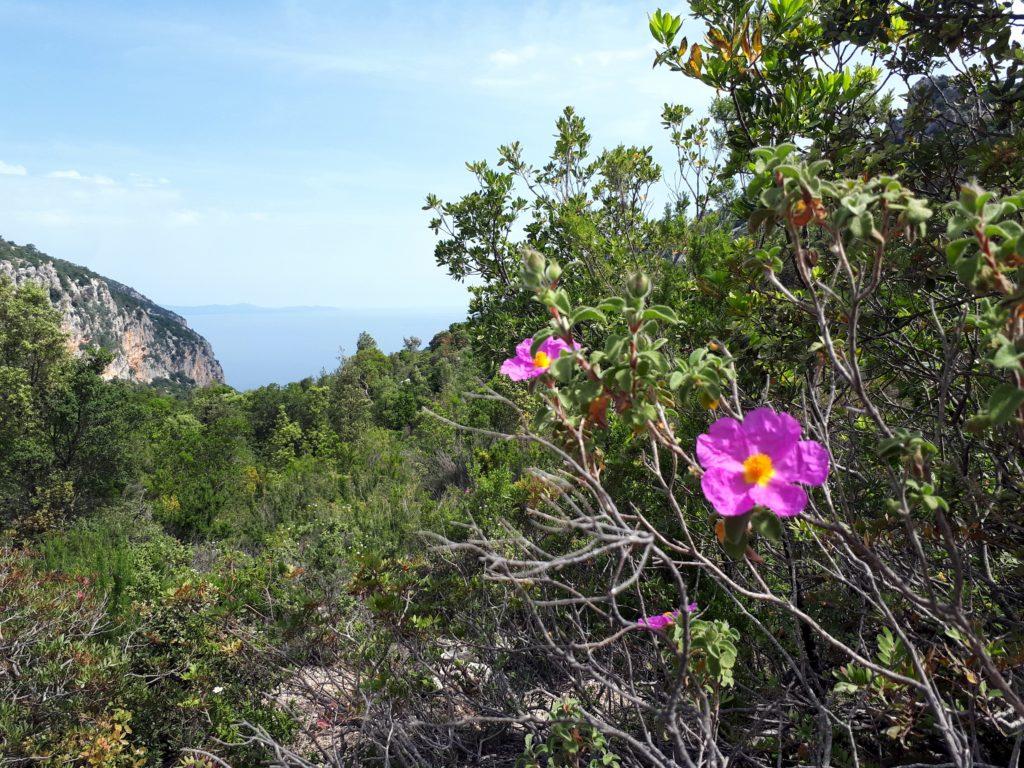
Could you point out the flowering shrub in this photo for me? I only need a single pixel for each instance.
(814, 426)
(877, 471)
(811, 426)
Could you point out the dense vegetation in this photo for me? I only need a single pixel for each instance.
(619, 551)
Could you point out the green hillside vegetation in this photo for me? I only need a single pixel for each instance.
(732, 481)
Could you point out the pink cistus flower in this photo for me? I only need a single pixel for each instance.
(662, 620)
(759, 462)
(526, 366)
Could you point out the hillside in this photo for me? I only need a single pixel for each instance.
(149, 343)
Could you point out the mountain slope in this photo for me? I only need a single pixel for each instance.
(149, 343)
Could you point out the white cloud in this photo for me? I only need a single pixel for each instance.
(513, 58)
(186, 217)
(104, 181)
(12, 170)
(147, 182)
(72, 174)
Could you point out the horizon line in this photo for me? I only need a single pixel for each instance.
(376, 308)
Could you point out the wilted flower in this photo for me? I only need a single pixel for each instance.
(758, 462)
(526, 366)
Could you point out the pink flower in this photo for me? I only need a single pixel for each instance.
(662, 620)
(526, 366)
(758, 462)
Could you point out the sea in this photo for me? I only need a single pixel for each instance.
(265, 345)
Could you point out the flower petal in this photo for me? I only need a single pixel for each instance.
(775, 434)
(553, 347)
(724, 445)
(727, 491)
(784, 499)
(660, 621)
(523, 349)
(519, 370)
(807, 464)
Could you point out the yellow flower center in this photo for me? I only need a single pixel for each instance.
(541, 360)
(758, 469)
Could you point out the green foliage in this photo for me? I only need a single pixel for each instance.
(67, 434)
(177, 669)
(571, 742)
(588, 213)
(196, 548)
(119, 553)
(713, 651)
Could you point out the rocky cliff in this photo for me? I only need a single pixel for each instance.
(149, 343)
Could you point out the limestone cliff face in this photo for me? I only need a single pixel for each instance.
(149, 343)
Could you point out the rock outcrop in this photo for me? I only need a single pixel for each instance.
(149, 343)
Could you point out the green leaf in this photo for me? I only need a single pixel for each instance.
(759, 218)
(890, 448)
(767, 524)
(956, 249)
(862, 226)
(1008, 357)
(886, 646)
(967, 268)
(560, 299)
(563, 367)
(654, 24)
(656, 359)
(736, 528)
(624, 378)
(661, 312)
(583, 314)
(737, 550)
(1003, 404)
(613, 304)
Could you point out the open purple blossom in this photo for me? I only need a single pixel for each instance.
(529, 366)
(662, 620)
(758, 462)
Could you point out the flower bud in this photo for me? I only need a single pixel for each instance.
(553, 272)
(638, 286)
(533, 260)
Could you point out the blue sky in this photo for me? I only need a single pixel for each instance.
(278, 153)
